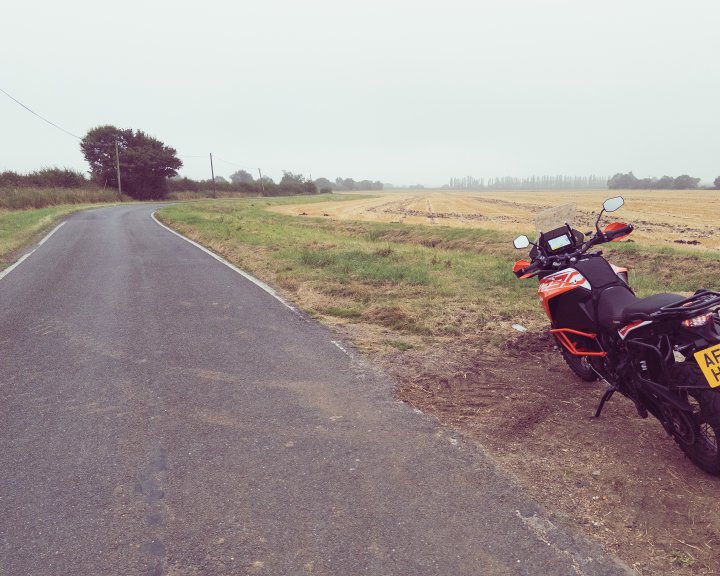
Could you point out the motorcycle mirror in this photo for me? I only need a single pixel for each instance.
(612, 204)
(521, 242)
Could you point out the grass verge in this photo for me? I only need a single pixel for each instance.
(420, 282)
(423, 282)
(19, 228)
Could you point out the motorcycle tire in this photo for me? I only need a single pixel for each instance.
(700, 439)
(578, 364)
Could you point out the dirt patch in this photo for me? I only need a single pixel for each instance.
(619, 478)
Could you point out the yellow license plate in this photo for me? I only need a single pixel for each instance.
(709, 362)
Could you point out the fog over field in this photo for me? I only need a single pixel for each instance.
(398, 91)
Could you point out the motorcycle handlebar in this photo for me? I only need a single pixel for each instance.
(544, 261)
(624, 231)
(534, 267)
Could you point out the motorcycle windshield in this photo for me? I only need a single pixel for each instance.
(554, 217)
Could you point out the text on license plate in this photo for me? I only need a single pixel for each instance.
(709, 362)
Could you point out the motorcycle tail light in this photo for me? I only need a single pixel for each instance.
(697, 321)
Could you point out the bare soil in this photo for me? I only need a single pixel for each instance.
(619, 478)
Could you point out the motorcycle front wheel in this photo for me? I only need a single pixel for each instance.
(578, 364)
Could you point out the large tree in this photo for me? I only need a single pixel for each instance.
(296, 184)
(685, 182)
(241, 176)
(145, 162)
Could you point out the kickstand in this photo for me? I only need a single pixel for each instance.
(608, 394)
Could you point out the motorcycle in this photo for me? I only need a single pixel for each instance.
(662, 352)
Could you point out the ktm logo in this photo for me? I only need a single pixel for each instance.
(561, 280)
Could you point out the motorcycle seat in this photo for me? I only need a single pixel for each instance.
(618, 306)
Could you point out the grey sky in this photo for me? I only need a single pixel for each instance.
(398, 91)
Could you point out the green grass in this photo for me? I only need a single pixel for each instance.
(666, 268)
(18, 228)
(358, 265)
(419, 280)
(422, 281)
(414, 279)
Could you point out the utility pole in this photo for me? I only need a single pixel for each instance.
(261, 181)
(212, 171)
(117, 164)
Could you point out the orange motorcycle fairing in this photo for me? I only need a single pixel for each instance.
(559, 283)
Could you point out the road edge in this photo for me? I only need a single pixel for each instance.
(27, 255)
(259, 283)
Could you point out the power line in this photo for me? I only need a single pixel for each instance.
(236, 164)
(38, 115)
(79, 138)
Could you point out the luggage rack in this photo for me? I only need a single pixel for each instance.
(701, 300)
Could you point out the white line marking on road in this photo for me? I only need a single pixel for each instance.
(222, 260)
(345, 350)
(50, 234)
(26, 256)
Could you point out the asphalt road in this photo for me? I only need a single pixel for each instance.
(161, 414)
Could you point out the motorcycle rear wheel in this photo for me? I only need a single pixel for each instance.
(701, 443)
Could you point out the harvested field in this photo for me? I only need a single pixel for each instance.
(665, 216)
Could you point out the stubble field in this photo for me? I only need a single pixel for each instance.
(672, 216)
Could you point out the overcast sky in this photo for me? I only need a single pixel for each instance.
(399, 91)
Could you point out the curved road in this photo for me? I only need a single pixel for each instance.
(161, 414)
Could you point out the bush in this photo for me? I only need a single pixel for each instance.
(290, 185)
(25, 198)
(45, 178)
(630, 182)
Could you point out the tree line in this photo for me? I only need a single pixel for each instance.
(148, 170)
(631, 182)
(290, 185)
(348, 184)
(618, 181)
(530, 183)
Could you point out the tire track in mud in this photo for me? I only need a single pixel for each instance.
(431, 213)
(402, 209)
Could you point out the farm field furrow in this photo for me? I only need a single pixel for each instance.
(660, 217)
